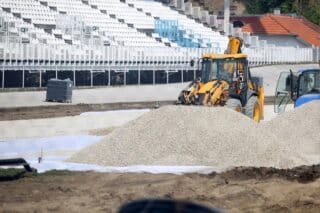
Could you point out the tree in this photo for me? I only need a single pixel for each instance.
(307, 8)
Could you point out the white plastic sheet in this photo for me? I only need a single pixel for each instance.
(27, 147)
(47, 165)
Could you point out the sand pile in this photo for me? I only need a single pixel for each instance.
(186, 135)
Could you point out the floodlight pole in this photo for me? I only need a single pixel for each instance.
(226, 19)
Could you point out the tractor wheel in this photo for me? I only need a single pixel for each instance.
(234, 104)
(181, 100)
(252, 109)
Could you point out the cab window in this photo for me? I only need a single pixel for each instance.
(309, 82)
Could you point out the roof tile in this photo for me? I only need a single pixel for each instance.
(281, 25)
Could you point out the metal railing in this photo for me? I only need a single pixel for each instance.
(282, 55)
(119, 65)
(13, 52)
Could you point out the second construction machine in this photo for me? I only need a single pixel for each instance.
(226, 81)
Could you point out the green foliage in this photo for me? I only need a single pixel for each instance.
(262, 6)
(288, 7)
(307, 8)
(312, 14)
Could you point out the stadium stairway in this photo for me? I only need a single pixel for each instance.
(193, 28)
(123, 13)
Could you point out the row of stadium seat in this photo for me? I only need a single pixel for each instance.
(94, 17)
(105, 17)
(31, 9)
(16, 28)
(122, 11)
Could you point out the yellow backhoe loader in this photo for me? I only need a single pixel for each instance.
(226, 81)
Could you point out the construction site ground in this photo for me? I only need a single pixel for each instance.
(239, 190)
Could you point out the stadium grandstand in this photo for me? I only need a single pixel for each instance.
(108, 42)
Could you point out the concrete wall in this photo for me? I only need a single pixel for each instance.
(283, 41)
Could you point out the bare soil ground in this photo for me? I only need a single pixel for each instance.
(62, 109)
(238, 190)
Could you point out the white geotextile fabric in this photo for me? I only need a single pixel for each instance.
(23, 147)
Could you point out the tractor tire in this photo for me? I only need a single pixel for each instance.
(252, 109)
(200, 99)
(234, 104)
(181, 100)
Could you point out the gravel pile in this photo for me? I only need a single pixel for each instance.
(299, 130)
(301, 123)
(186, 135)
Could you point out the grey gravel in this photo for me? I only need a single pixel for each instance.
(299, 130)
(219, 137)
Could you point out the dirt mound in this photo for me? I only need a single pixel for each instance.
(302, 174)
(184, 135)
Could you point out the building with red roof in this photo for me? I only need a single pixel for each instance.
(280, 30)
